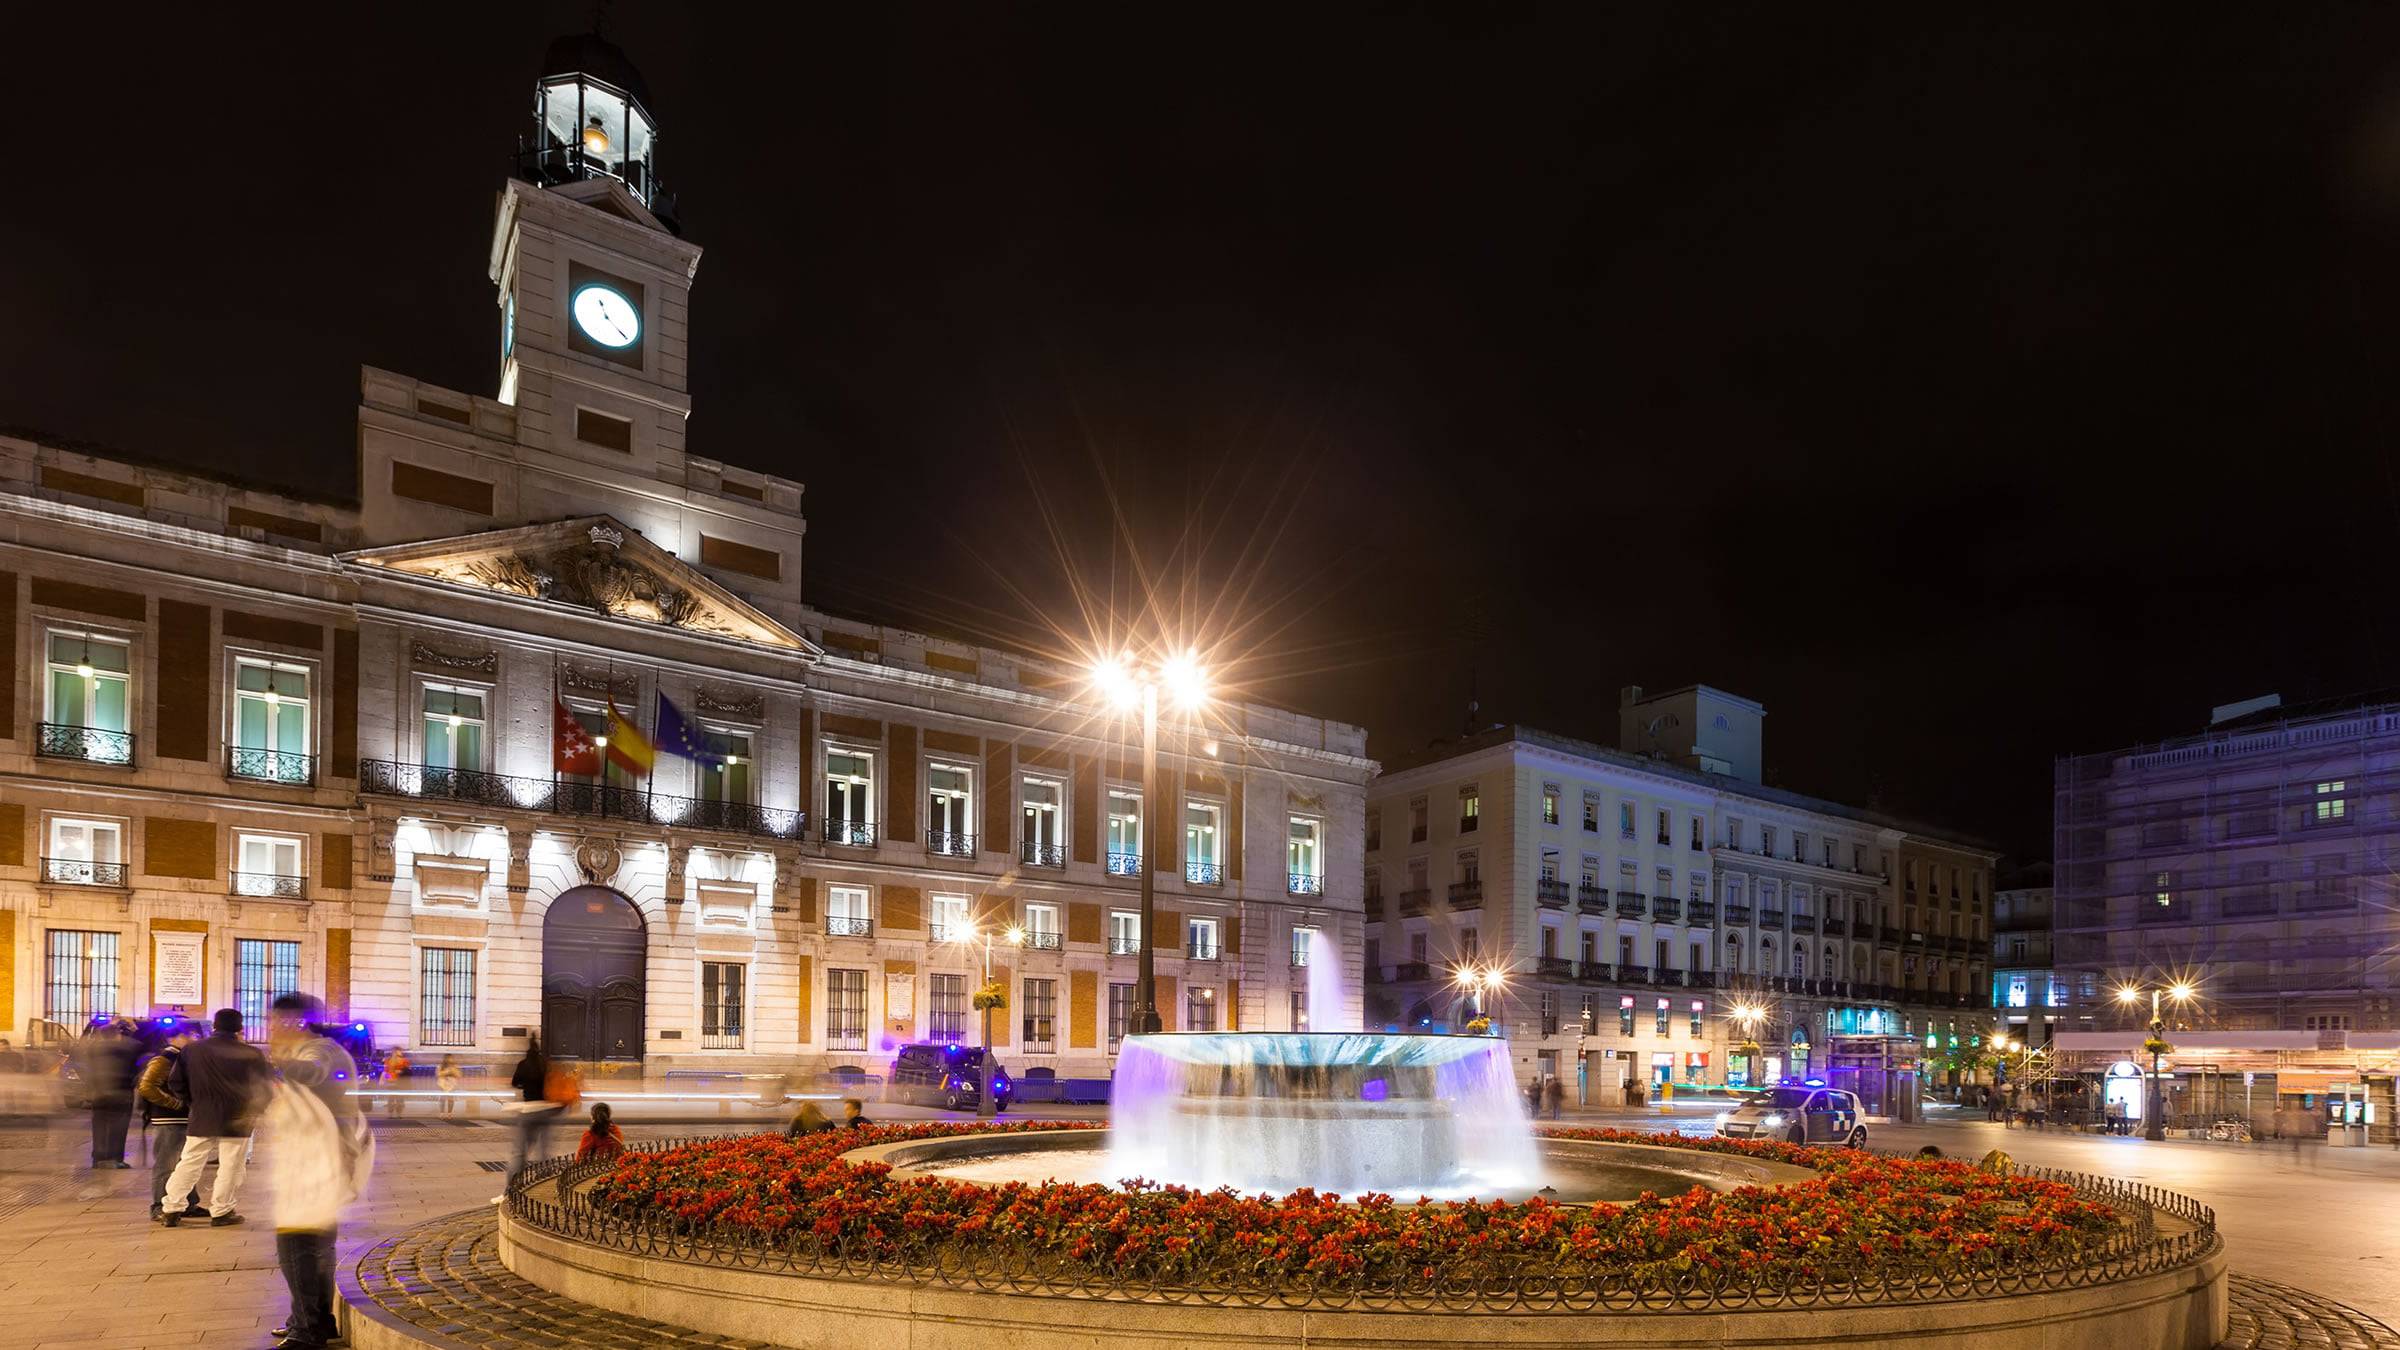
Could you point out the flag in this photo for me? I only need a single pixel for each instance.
(627, 747)
(677, 736)
(571, 747)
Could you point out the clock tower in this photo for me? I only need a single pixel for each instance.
(594, 279)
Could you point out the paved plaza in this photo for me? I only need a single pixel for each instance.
(81, 1266)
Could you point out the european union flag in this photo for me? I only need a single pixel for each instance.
(677, 735)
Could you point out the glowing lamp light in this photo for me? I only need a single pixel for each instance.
(84, 670)
(595, 138)
(601, 741)
(2129, 995)
(1185, 681)
(1115, 683)
(273, 698)
(1016, 937)
(2180, 992)
(457, 721)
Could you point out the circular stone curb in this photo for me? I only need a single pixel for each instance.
(2271, 1316)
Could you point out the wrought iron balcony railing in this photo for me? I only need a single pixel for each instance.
(1629, 904)
(1804, 923)
(1591, 899)
(1558, 966)
(850, 833)
(1770, 918)
(1466, 894)
(1034, 854)
(270, 766)
(92, 745)
(77, 872)
(949, 844)
(1667, 907)
(1124, 864)
(1836, 928)
(269, 886)
(1416, 902)
(950, 932)
(1412, 970)
(1124, 946)
(1701, 913)
(1550, 893)
(1304, 883)
(1048, 941)
(1737, 914)
(845, 925)
(1633, 975)
(1204, 874)
(567, 797)
(1199, 951)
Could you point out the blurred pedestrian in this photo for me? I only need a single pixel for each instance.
(809, 1120)
(169, 1116)
(319, 1152)
(447, 1077)
(1556, 1095)
(534, 1109)
(224, 1081)
(1533, 1097)
(395, 1078)
(106, 1063)
(602, 1140)
(854, 1113)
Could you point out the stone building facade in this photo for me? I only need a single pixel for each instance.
(253, 743)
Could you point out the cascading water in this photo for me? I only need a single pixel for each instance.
(1328, 992)
(1342, 1112)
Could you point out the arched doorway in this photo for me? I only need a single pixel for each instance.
(594, 948)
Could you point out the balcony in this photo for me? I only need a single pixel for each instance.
(1591, 899)
(92, 745)
(1203, 874)
(1412, 970)
(1124, 946)
(1666, 908)
(1804, 923)
(1416, 834)
(602, 800)
(2251, 906)
(1556, 967)
(1889, 934)
(956, 931)
(1737, 914)
(1374, 908)
(1416, 902)
(1304, 883)
(1550, 893)
(1633, 975)
(1771, 919)
(858, 926)
(270, 766)
(1200, 951)
(269, 886)
(850, 833)
(77, 872)
(1034, 854)
(1702, 913)
(1594, 972)
(1124, 864)
(1466, 894)
(1299, 959)
(1836, 928)
(1048, 940)
(949, 844)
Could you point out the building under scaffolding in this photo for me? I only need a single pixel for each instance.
(2254, 862)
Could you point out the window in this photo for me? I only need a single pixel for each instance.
(1549, 803)
(1041, 1015)
(1699, 891)
(1625, 1015)
(1200, 939)
(1299, 1010)
(1470, 808)
(2163, 890)
(727, 780)
(1733, 832)
(1766, 840)
(1588, 950)
(1591, 874)
(81, 982)
(263, 971)
(2331, 804)
(1416, 948)
(1590, 1012)
(1374, 959)
(1470, 943)
(2017, 994)
(1662, 1017)
(1665, 882)
(1200, 1008)
(1625, 820)
(1124, 933)
(1470, 865)
(1625, 951)
(2326, 1022)
(1303, 940)
(270, 722)
(1120, 1013)
(1699, 835)
(949, 815)
(949, 1008)
(268, 865)
(1124, 833)
(1699, 1009)
(1665, 832)
(453, 729)
(1374, 887)
(846, 1009)
(2016, 949)
(1374, 829)
(1830, 848)
(1416, 820)
(86, 699)
(446, 996)
(1799, 846)
(600, 429)
(1591, 813)
(849, 797)
(721, 1005)
(1549, 864)
(848, 912)
(1546, 1010)
(1041, 843)
(950, 919)
(1202, 863)
(85, 853)
(1302, 858)
(1041, 927)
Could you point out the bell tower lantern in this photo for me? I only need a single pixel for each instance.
(591, 119)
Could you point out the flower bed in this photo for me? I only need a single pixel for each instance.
(1862, 1217)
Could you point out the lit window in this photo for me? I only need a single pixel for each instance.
(1202, 862)
(1301, 856)
(727, 780)
(270, 721)
(1549, 803)
(950, 918)
(1120, 1013)
(2331, 804)
(1124, 933)
(721, 1004)
(949, 810)
(268, 865)
(85, 710)
(80, 977)
(1470, 808)
(846, 1009)
(849, 797)
(1124, 833)
(1041, 1015)
(453, 729)
(263, 971)
(446, 996)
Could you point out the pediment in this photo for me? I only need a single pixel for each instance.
(592, 563)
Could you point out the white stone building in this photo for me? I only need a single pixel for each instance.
(254, 743)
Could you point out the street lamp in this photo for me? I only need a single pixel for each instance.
(2181, 992)
(1015, 937)
(1748, 1016)
(1125, 685)
(1476, 980)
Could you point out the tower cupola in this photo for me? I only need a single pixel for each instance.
(591, 120)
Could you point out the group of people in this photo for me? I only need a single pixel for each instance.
(1545, 1093)
(207, 1097)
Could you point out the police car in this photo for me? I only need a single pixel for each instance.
(1799, 1113)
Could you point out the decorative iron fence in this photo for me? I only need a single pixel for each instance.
(1124, 864)
(78, 872)
(1304, 883)
(2141, 1246)
(568, 798)
(855, 833)
(1204, 874)
(1034, 854)
(844, 926)
(270, 766)
(93, 745)
(949, 844)
(269, 886)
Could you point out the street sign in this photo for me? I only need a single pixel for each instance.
(2249, 1079)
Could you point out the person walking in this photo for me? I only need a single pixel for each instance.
(809, 1120)
(532, 1082)
(170, 1116)
(1555, 1094)
(854, 1113)
(107, 1069)
(447, 1078)
(319, 1153)
(395, 1078)
(224, 1080)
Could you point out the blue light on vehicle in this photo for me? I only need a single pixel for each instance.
(1812, 1082)
(358, 1026)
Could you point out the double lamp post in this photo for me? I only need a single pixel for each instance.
(2154, 1125)
(1126, 686)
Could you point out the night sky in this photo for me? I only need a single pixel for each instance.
(1965, 394)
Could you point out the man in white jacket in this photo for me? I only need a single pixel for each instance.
(319, 1153)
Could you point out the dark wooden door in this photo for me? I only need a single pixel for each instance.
(594, 950)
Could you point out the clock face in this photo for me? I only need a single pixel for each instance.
(607, 317)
